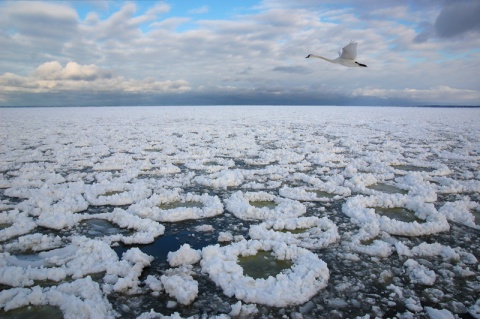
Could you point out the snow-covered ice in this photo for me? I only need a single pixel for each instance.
(146, 212)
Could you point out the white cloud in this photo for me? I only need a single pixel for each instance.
(200, 10)
(443, 94)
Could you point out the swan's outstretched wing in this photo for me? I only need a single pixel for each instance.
(349, 52)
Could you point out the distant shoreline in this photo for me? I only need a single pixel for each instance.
(240, 105)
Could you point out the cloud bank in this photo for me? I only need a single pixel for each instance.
(53, 77)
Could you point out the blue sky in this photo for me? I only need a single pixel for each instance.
(238, 52)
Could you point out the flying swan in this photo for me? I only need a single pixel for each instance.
(346, 58)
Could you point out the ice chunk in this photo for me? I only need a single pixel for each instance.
(154, 283)
(204, 228)
(439, 313)
(182, 287)
(184, 256)
(123, 276)
(225, 237)
(420, 274)
(240, 310)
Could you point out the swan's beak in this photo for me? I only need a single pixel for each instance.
(307, 56)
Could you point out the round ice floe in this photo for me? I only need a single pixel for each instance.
(418, 186)
(426, 168)
(81, 298)
(34, 242)
(367, 241)
(117, 194)
(17, 224)
(145, 230)
(172, 206)
(222, 179)
(83, 256)
(240, 204)
(161, 169)
(211, 166)
(309, 194)
(296, 285)
(361, 209)
(461, 212)
(331, 188)
(115, 162)
(450, 185)
(307, 232)
(56, 198)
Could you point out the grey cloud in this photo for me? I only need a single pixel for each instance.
(457, 18)
(39, 20)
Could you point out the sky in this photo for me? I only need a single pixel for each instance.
(194, 52)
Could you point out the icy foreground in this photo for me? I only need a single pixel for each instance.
(150, 212)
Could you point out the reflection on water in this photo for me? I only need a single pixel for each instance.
(93, 228)
(178, 204)
(413, 168)
(263, 265)
(33, 312)
(398, 213)
(111, 193)
(294, 231)
(476, 214)
(389, 189)
(322, 194)
(262, 204)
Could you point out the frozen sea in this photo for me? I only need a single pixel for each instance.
(240, 212)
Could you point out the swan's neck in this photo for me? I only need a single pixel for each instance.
(321, 57)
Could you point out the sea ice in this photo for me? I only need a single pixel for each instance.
(305, 186)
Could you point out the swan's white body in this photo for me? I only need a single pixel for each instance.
(346, 58)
